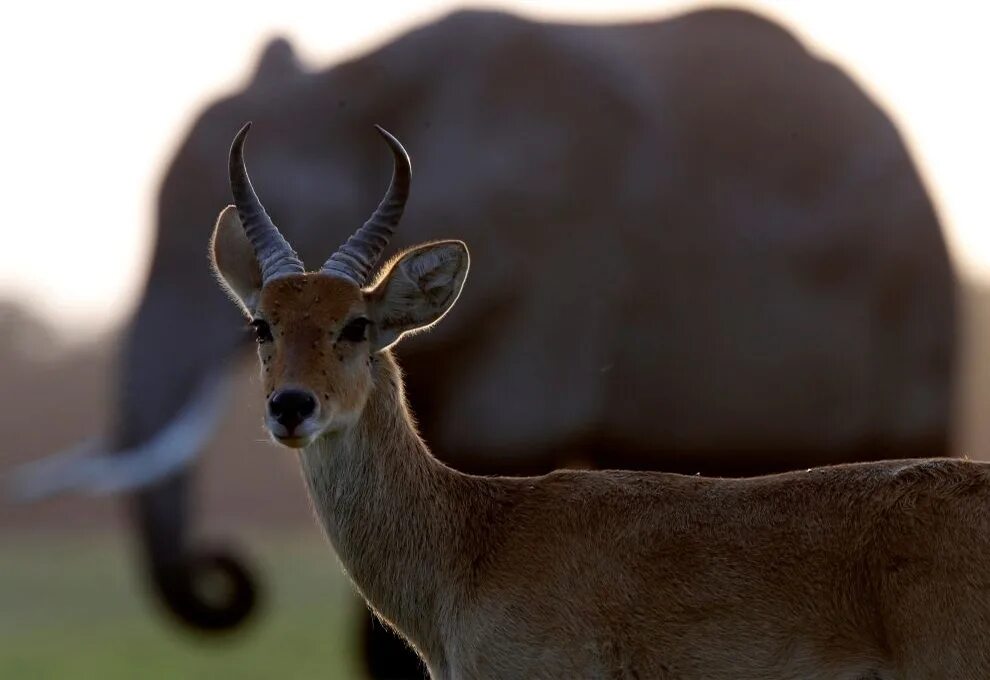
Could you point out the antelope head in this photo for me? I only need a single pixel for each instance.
(319, 332)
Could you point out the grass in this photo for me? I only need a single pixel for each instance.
(74, 608)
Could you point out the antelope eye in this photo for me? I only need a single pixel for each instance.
(355, 330)
(262, 331)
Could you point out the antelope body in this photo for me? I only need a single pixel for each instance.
(855, 571)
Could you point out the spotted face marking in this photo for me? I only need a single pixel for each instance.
(314, 350)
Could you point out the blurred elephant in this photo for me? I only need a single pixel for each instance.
(697, 247)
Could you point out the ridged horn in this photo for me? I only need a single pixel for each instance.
(355, 260)
(275, 255)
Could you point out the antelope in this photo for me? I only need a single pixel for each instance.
(870, 570)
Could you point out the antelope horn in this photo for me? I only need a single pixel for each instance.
(354, 260)
(274, 254)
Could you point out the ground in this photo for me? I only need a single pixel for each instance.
(74, 607)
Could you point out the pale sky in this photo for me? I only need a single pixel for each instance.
(103, 92)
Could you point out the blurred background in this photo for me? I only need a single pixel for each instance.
(789, 264)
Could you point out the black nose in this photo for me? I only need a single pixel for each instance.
(291, 407)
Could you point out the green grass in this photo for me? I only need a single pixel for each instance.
(73, 608)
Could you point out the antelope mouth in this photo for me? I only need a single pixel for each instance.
(297, 438)
(294, 442)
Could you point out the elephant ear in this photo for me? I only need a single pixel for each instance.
(234, 260)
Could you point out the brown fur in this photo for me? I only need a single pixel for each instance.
(856, 571)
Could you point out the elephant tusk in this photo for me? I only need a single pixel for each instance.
(93, 468)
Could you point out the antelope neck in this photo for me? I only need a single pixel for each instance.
(394, 513)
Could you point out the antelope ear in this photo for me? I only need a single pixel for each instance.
(234, 260)
(416, 290)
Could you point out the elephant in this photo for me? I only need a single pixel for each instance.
(694, 217)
